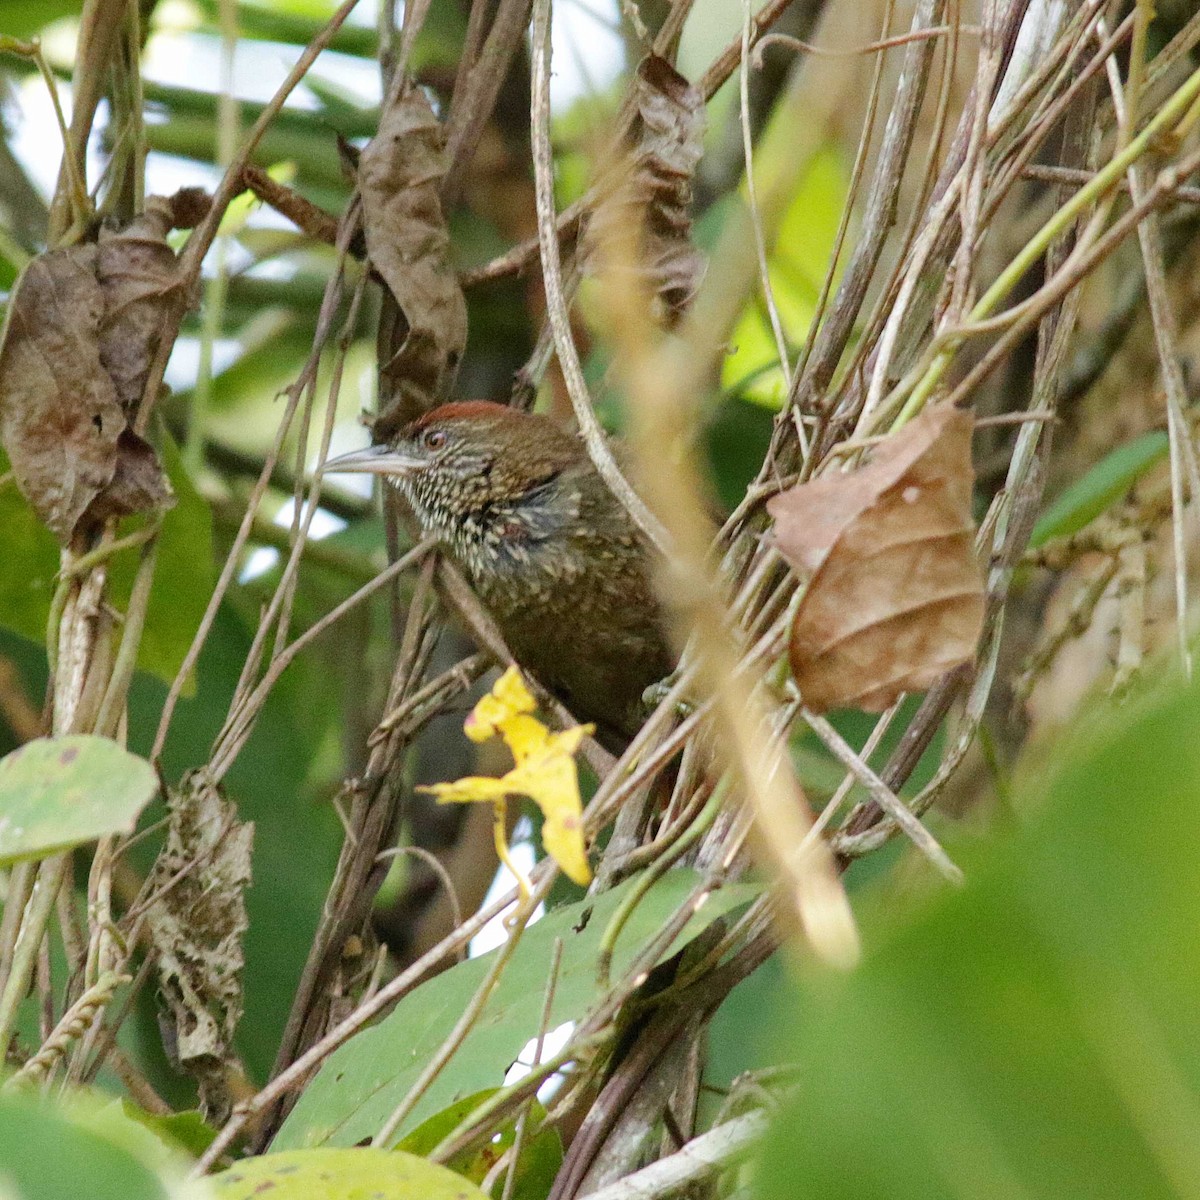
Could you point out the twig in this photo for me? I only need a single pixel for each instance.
(901, 39)
(1166, 336)
(880, 209)
(1064, 282)
(202, 236)
(827, 814)
(1079, 178)
(434, 696)
(567, 225)
(664, 383)
(494, 1109)
(308, 217)
(436, 865)
(649, 877)
(77, 1021)
(721, 1147)
(857, 173)
(278, 611)
(883, 795)
(760, 244)
(518, 1144)
(230, 565)
(387, 995)
(560, 322)
(1063, 218)
(237, 730)
(72, 183)
(463, 1026)
(476, 92)
(50, 876)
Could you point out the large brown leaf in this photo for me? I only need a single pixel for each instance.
(652, 182)
(137, 271)
(82, 330)
(399, 174)
(60, 418)
(895, 597)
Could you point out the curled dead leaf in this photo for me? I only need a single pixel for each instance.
(197, 924)
(59, 414)
(652, 182)
(139, 483)
(81, 333)
(399, 175)
(895, 598)
(137, 271)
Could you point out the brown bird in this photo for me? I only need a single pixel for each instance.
(550, 550)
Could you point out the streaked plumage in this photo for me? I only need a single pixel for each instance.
(551, 552)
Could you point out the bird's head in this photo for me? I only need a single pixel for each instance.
(462, 460)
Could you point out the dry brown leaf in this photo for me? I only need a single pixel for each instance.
(197, 925)
(82, 329)
(137, 271)
(60, 418)
(138, 482)
(399, 175)
(653, 182)
(895, 598)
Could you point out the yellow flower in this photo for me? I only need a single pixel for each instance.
(544, 771)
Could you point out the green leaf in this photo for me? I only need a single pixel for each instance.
(30, 565)
(796, 265)
(46, 1157)
(1034, 1034)
(738, 436)
(1105, 484)
(361, 1083)
(178, 1130)
(183, 575)
(56, 793)
(24, 18)
(541, 1152)
(361, 1174)
(115, 1122)
(429, 1133)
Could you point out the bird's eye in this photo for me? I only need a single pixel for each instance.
(433, 439)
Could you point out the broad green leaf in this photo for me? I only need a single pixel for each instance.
(361, 1083)
(429, 1133)
(183, 574)
(1033, 1035)
(299, 21)
(796, 266)
(314, 152)
(1102, 486)
(10, 268)
(24, 18)
(44, 1156)
(360, 1174)
(29, 565)
(738, 436)
(178, 1130)
(118, 1123)
(541, 1152)
(56, 793)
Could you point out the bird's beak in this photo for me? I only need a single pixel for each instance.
(374, 460)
